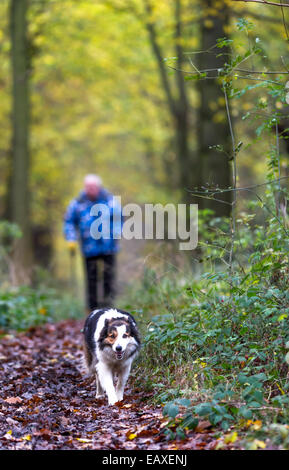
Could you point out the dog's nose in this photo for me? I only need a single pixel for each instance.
(118, 348)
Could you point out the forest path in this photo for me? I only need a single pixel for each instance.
(48, 403)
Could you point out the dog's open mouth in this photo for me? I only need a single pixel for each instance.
(119, 355)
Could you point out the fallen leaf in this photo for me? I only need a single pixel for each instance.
(46, 405)
(83, 440)
(257, 425)
(260, 444)
(202, 426)
(13, 400)
(44, 433)
(164, 424)
(231, 437)
(256, 444)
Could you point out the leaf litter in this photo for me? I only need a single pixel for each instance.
(47, 400)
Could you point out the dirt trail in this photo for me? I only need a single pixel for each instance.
(47, 403)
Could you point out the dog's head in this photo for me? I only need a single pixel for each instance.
(120, 336)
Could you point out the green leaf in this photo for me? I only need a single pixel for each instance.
(184, 402)
(171, 410)
(190, 422)
(245, 412)
(203, 409)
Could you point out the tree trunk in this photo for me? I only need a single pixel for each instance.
(188, 171)
(178, 103)
(19, 177)
(213, 128)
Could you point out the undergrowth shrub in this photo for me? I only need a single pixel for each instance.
(215, 348)
(21, 308)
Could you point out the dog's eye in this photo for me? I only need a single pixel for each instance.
(125, 336)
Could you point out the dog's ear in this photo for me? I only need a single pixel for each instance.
(133, 329)
(103, 333)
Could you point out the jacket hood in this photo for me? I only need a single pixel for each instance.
(103, 194)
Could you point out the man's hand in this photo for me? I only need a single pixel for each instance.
(72, 245)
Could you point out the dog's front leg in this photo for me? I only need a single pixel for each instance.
(122, 379)
(105, 377)
(99, 391)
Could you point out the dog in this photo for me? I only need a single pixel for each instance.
(111, 343)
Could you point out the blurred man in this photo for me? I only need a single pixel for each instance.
(77, 225)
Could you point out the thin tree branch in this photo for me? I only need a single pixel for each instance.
(234, 202)
(258, 17)
(179, 54)
(150, 26)
(245, 188)
(284, 22)
(265, 2)
(257, 72)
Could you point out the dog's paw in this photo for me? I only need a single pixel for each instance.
(113, 400)
(99, 395)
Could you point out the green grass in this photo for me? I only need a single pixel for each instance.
(21, 308)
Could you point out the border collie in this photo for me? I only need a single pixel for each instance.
(111, 342)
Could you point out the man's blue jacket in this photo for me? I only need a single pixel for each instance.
(78, 221)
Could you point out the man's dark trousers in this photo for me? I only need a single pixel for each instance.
(92, 265)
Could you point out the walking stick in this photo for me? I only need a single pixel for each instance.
(72, 266)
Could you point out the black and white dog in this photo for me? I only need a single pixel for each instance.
(111, 342)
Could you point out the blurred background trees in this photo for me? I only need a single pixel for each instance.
(114, 87)
(18, 195)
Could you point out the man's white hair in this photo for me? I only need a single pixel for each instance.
(91, 178)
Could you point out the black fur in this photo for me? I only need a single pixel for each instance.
(103, 334)
(89, 329)
(134, 331)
